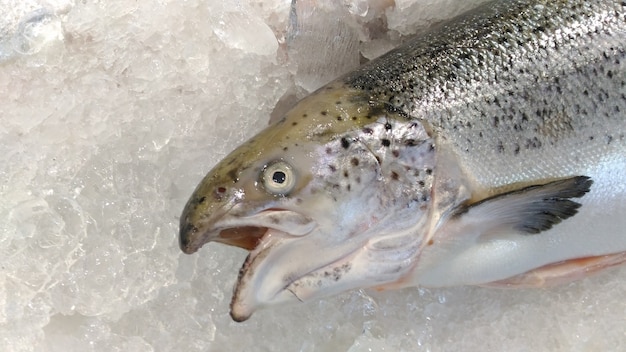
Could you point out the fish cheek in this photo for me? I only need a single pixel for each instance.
(303, 181)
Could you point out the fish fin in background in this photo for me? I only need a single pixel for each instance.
(526, 211)
(561, 272)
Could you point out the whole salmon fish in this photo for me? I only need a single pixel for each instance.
(489, 150)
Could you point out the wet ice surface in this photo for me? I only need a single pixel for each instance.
(111, 114)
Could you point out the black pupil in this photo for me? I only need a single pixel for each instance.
(279, 177)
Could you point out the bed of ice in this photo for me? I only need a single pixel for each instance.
(112, 111)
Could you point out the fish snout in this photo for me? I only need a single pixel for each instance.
(192, 235)
(198, 220)
(185, 235)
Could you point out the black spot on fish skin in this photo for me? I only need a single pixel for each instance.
(533, 143)
(324, 113)
(395, 153)
(345, 173)
(380, 109)
(233, 175)
(367, 130)
(394, 176)
(201, 200)
(329, 151)
(387, 126)
(345, 143)
(385, 142)
(524, 117)
(337, 272)
(332, 168)
(500, 147)
(295, 123)
(354, 161)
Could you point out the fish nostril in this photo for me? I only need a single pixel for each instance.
(220, 192)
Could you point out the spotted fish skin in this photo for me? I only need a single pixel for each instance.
(514, 81)
(489, 150)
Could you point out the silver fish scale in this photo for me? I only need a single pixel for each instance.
(514, 82)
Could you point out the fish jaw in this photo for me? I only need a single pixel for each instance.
(283, 269)
(275, 265)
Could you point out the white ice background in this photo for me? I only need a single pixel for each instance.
(112, 111)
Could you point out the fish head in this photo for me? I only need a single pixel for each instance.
(327, 199)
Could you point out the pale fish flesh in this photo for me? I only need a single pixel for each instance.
(489, 150)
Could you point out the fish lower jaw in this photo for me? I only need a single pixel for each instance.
(252, 293)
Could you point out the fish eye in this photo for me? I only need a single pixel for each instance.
(278, 178)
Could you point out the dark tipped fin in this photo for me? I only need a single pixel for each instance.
(551, 203)
(529, 210)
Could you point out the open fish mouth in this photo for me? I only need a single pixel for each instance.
(241, 231)
(284, 247)
(246, 237)
(283, 268)
(292, 258)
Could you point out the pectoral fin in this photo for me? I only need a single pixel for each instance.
(498, 237)
(529, 210)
